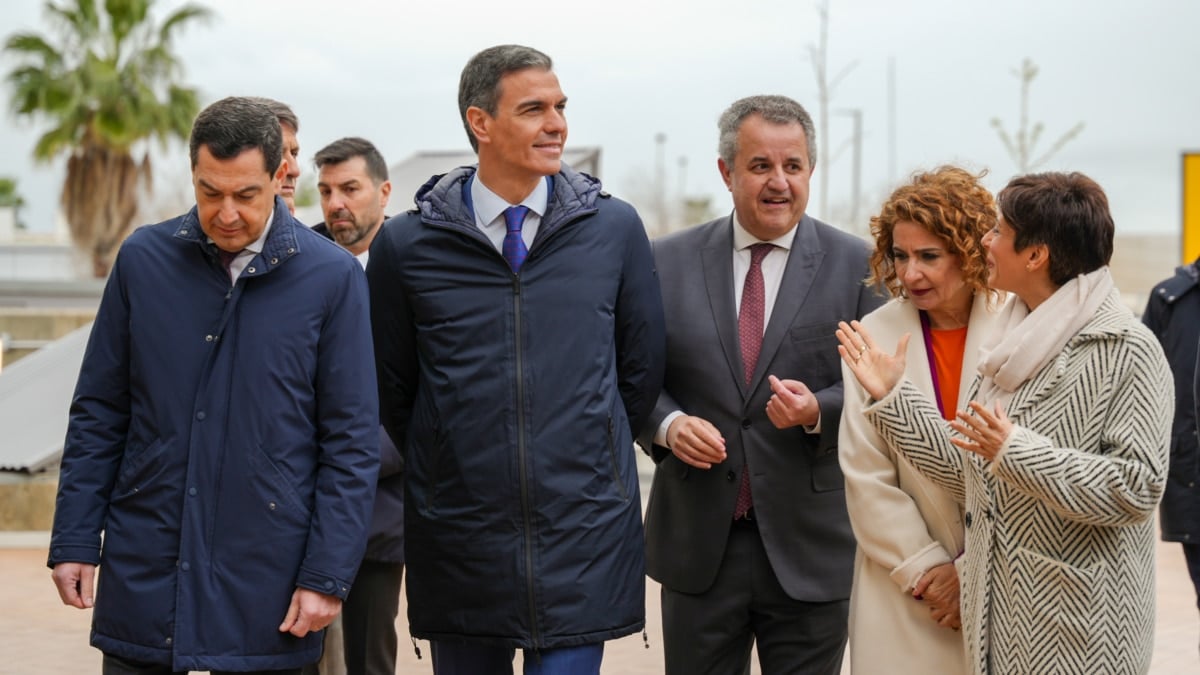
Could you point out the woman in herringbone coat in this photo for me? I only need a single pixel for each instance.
(1062, 456)
(904, 605)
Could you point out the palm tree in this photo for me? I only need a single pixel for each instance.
(109, 84)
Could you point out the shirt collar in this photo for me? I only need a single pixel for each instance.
(743, 239)
(489, 205)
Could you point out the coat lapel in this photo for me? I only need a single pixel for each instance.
(803, 261)
(717, 260)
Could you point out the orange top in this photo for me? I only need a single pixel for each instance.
(948, 346)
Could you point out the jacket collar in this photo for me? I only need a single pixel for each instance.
(281, 243)
(445, 199)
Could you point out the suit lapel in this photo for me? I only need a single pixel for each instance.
(717, 260)
(799, 274)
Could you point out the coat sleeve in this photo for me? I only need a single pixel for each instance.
(96, 431)
(641, 331)
(910, 423)
(348, 437)
(1120, 482)
(394, 336)
(887, 523)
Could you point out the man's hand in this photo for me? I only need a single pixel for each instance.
(792, 404)
(75, 583)
(696, 442)
(938, 589)
(310, 611)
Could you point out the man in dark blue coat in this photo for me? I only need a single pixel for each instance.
(519, 340)
(1173, 313)
(354, 188)
(222, 436)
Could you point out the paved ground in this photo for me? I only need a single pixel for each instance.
(40, 636)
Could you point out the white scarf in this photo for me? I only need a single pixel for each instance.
(1025, 342)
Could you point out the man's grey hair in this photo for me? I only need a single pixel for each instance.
(774, 109)
(479, 85)
(282, 111)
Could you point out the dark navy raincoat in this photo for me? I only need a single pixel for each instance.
(1173, 313)
(225, 442)
(514, 396)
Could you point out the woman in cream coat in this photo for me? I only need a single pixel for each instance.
(904, 614)
(1066, 444)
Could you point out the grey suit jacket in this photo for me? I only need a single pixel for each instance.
(799, 497)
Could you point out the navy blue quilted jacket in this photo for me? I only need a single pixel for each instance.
(514, 396)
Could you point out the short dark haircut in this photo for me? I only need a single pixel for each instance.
(236, 124)
(282, 111)
(479, 85)
(1068, 212)
(345, 149)
(774, 109)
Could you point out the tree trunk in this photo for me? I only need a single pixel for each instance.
(100, 200)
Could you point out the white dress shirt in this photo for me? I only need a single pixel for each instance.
(772, 267)
(489, 212)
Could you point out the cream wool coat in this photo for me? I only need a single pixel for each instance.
(904, 523)
(1058, 574)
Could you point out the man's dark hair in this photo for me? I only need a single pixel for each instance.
(236, 124)
(1068, 212)
(348, 148)
(479, 85)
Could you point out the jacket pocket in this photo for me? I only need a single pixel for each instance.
(1055, 601)
(137, 464)
(616, 467)
(435, 461)
(279, 491)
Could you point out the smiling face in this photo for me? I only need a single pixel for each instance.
(769, 176)
(523, 142)
(234, 197)
(1007, 267)
(352, 203)
(291, 157)
(931, 275)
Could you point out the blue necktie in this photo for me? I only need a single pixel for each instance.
(513, 249)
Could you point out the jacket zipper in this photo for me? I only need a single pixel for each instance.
(522, 469)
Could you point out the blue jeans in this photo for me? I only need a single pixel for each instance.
(456, 658)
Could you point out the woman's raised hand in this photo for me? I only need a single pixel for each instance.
(877, 371)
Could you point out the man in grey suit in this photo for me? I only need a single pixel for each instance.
(746, 528)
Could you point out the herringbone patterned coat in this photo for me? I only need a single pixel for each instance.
(1058, 574)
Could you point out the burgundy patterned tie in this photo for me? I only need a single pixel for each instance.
(227, 257)
(750, 334)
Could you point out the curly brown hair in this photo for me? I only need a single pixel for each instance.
(950, 203)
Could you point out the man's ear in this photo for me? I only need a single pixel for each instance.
(479, 122)
(385, 192)
(726, 174)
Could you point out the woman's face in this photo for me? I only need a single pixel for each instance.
(931, 275)
(1006, 267)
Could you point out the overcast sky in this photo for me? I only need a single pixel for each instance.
(633, 69)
